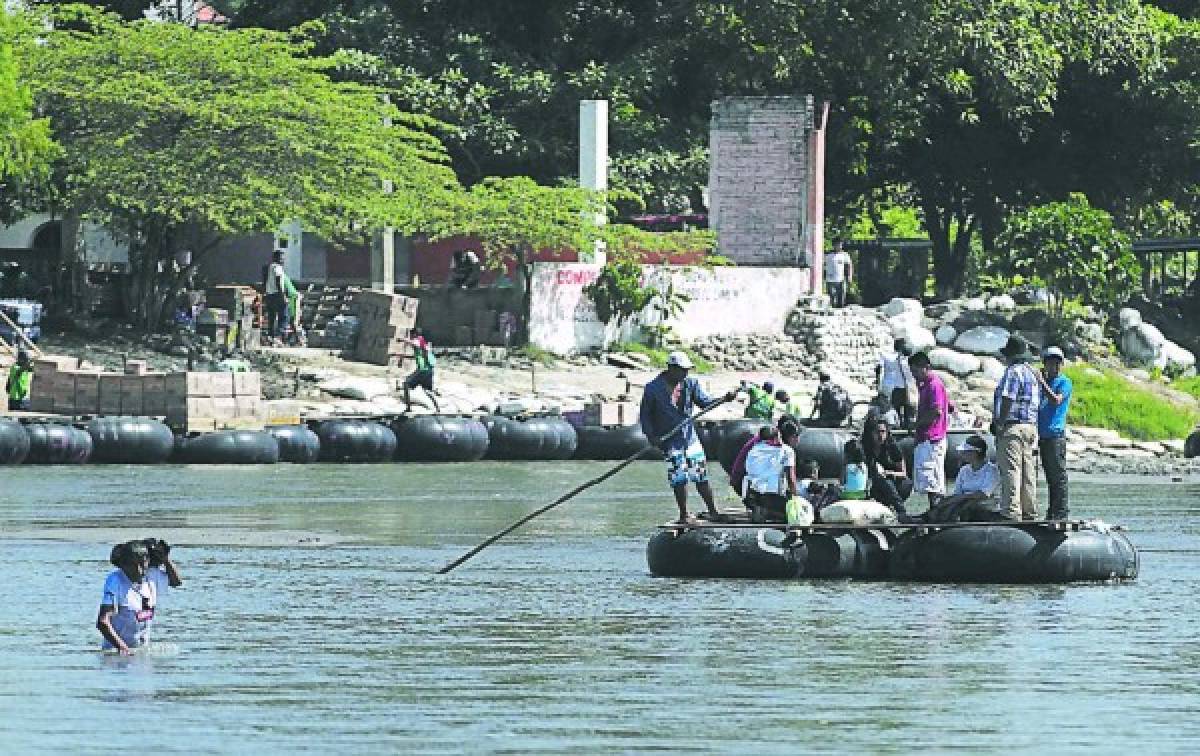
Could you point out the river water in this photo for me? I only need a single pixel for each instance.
(311, 619)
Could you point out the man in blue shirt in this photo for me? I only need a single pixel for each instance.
(667, 402)
(1052, 429)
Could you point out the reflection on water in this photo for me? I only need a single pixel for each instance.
(311, 618)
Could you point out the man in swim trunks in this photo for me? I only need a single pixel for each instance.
(667, 402)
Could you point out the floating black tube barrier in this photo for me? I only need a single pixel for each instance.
(130, 440)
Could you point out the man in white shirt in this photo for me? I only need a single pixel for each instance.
(128, 601)
(275, 299)
(896, 380)
(771, 472)
(839, 272)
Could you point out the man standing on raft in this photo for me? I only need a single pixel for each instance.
(667, 402)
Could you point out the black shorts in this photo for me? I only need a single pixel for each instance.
(422, 378)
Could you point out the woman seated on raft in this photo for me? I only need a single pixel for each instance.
(770, 473)
(974, 498)
(890, 484)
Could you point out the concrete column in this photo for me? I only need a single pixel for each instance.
(383, 246)
(290, 239)
(814, 246)
(593, 160)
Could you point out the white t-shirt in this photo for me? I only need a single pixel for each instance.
(835, 266)
(894, 372)
(274, 276)
(162, 583)
(764, 467)
(134, 604)
(985, 479)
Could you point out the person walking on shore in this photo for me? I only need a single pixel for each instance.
(933, 413)
(20, 382)
(895, 380)
(423, 375)
(275, 299)
(762, 401)
(839, 271)
(1014, 424)
(1052, 430)
(667, 402)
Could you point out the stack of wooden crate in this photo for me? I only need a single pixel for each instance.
(202, 402)
(385, 326)
(62, 387)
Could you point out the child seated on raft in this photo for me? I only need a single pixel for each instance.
(770, 478)
(854, 477)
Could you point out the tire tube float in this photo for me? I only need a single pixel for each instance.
(954, 460)
(848, 554)
(297, 444)
(1191, 448)
(438, 438)
(130, 440)
(14, 442)
(228, 447)
(561, 433)
(723, 553)
(58, 444)
(1013, 554)
(531, 439)
(825, 446)
(357, 441)
(734, 435)
(613, 443)
(710, 432)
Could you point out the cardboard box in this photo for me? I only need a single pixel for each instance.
(247, 384)
(154, 394)
(60, 387)
(195, 384)
(136, 367)
(41, 402)
(87, 393)
(281, 412)
(131, 394)
(110, 393)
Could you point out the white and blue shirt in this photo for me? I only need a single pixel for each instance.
(134, 607)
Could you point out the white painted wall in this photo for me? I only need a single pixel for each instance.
(100, 246)
(724, 301)
(20, 234)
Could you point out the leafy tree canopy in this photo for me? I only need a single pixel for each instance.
(26, 148)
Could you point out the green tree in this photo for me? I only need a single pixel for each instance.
(26, 148)
(1075, 249)
(176, 138)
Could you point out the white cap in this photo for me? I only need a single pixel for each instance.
(680, 359)
(1053, 352)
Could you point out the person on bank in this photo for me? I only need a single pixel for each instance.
(667, 402)
(762, 402)
(1014, 424)
(1052, 430)
(888, 474)
(894, 378)
(423, 375)
(933, 413)
(20, 382)
(770, 478)
(790, 410)
(839, 272)
(831, 404)
(128, 600)
(275, 299)
(975, 487)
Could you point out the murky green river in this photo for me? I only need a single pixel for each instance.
(311, 620)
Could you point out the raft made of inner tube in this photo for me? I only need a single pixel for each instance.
(297, 444)
(229, 447)
(14, 442)
(723, 553)
(58, 444)
(1013, 553)
(437, 438)
(615, 442)
(130, 440)
(355, 441)
(530, 439)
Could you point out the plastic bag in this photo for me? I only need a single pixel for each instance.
(799, 511)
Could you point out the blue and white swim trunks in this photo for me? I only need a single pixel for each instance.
(687, 466)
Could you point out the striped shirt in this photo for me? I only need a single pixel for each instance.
(1021, 386)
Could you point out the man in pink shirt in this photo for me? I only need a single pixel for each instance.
(933, 412)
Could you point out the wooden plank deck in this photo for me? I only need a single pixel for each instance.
(922, 528)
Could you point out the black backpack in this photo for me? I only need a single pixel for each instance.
(835, 402)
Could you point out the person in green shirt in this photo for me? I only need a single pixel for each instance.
(762, 403)
(295, 331)
(423, 375)
(788, 408)
(20, 380)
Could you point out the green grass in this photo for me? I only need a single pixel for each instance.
(658, 357)
(1105, 399)
(538, 355)
(1187, 385)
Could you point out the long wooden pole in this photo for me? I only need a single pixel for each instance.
(20, 334)
(577, 490)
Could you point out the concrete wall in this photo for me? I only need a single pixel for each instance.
(458, 317)
(761, 176)
(723, 301)
(99, 245)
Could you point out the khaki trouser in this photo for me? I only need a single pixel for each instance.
(1018, 474)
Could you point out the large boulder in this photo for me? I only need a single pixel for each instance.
(954, 362)
(1031, 320)
(1001, 303)
(991, 368)
(983, 340)
(945, 335)
(905, 307)
(975, 304)
(1031, 295)
(1142, 344)
(1179, 361)
(916, 337)
(1088, 333)
(1129, 318)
